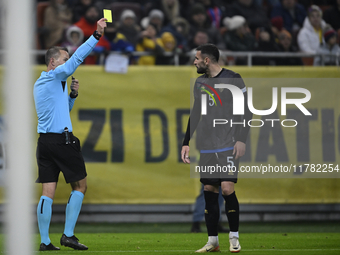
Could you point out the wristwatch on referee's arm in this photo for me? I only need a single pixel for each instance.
(96, 35)
(73, 94)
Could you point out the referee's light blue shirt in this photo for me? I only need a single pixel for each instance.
(52, 101)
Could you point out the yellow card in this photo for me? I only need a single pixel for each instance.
(108, 15)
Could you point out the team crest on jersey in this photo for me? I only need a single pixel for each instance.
(204, 87)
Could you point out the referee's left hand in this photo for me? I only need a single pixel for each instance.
(239, 149)
(74, 86)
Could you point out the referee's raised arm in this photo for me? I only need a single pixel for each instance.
(67, 69)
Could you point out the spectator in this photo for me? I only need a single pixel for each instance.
(271, 3)
(149, 42)
(198, 17)
(238, 36)
(292, 13)
(128, 26)
(180, 29)
(276, 26)
(118, 42)
(310, 36)
(201, 37)
(199, 21)
(285, 45)
(329, 47)
(254, 15)
(266, 43)
(169, 43)
(79, 9)
(88, 23)
(185, 8)
(170, 9)
(156, 17)
(332, 15)
(213, 11)
(73, 39)
(57, 17)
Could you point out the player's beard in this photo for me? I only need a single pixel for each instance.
(201, 69)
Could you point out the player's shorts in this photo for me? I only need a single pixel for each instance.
(55, 156)
(218, 167)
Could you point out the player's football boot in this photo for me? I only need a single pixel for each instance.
(209, 248)
(50, 247)
(72, 242)
(234, 245)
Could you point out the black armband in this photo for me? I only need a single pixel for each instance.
(97, 35)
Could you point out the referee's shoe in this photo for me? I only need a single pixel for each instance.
(72, 242)
(50, 247)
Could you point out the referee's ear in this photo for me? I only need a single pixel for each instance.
(52, 62)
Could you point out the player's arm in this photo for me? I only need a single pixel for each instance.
(67, 69)
(74, 93)
(192, 125)
(242, 131)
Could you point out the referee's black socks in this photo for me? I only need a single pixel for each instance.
(232, 210)
(212, 212)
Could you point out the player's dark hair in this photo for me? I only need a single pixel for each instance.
(210, 50)
(53, 52)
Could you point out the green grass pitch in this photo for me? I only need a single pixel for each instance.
(180, 243)
(304, 238)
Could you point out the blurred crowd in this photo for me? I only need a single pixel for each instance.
(160, 26)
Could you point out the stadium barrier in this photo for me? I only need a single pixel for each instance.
(224, 54)
(131, 127)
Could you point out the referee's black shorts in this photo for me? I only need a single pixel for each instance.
(218, 167)
(55, 156)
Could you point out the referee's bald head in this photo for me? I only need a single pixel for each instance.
(53, 52)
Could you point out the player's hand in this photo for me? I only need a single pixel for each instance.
(239, 149)
(74, 86)
(185, 154)
(101, 24)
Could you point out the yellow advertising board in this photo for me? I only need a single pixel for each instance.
(131, 128)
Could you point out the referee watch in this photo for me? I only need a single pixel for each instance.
(72, 95)
(96, 35)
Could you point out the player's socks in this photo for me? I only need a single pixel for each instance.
(232, 209)
(213, 240)
(233, 234)
(44, 214)
(212, 212)
(72, 212)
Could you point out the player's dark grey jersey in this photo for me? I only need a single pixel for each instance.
(219, 106)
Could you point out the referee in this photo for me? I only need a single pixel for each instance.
(58, 150)
(220, 145)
